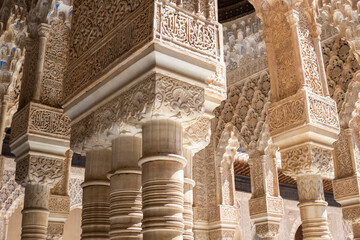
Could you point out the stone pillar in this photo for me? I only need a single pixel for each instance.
(303, 119)
(37, 174)
(40, 133)
(162, 180)
(265, 204)
(308, 164)
(189, 184)
(36, 211)
(125, 189)
(347, 182)
(96, 194)
(59, 202)
(312, 207)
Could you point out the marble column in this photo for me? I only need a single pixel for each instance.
(312, 207)
(35, 212)
(162, 180)
(189, 185)
(265, 204)
(37, 174)
(125, 189)
(96, 194)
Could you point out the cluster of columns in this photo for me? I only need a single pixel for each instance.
(141, 187)
(137, 189)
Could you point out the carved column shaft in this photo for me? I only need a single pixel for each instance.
(312, 207)
(265, 205)
(4, 108)
(4, 225)
(35, 212)
(125, 189)
(96, 192)
(188, 196)
(162, 180)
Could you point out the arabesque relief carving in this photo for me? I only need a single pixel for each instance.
(157, 94)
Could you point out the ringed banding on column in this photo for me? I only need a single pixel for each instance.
(125, 188)
(153, 87)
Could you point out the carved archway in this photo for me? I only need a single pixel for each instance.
(299, 233)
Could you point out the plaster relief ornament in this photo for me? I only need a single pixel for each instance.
(157, 95)
(302, 118)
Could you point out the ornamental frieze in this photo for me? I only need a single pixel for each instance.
(266, 205)
(158, 95)
(40, 119)
(323, 112)
(346, 187)
(303, 108)
(287, 114)
(307, 159)
(59, 204)
(167, 25)
(38, 170)
(174, 25)
(92, 20)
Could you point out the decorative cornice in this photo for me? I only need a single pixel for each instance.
(156, 96)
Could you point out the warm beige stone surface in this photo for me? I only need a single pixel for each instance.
(14, 230)
(96, 195)
(162, 180)
(125, 189)
(115, 75)
(72, 229)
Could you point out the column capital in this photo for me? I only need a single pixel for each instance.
(44, 30)
(267, 230)
(307, 159)
(197, 135)
(266, 206)
(37, 169)
(156, 97)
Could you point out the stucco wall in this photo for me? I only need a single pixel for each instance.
(290, 222)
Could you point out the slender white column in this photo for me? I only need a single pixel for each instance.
(162, 180)
(313, 207)
(125, 189)
(96, 189)
(188, 196)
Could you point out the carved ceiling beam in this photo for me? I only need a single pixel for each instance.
(303, 119)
